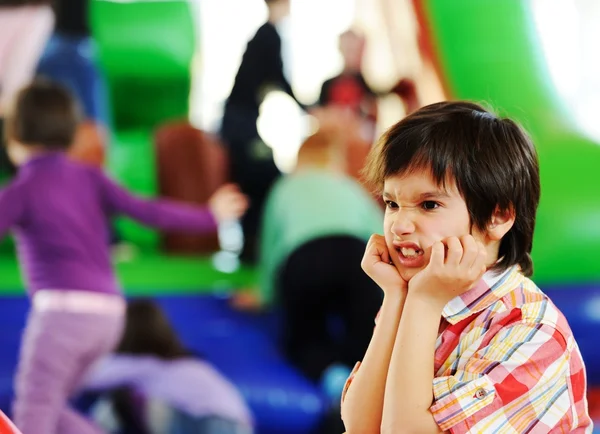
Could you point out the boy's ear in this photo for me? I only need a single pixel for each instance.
(500, 223)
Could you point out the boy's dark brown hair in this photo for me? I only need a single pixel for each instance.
(492, 160)
(44, 114)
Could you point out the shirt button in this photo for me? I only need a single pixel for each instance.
(480, 394)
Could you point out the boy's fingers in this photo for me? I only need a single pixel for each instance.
(437, 254)
(470, 251)
(455, 251)
(377, 250)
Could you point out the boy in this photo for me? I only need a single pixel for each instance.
(464, 341)
(60, 212)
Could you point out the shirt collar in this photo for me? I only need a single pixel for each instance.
(492, 287)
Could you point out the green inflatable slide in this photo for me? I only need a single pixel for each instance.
(145, 50)
(490, 51)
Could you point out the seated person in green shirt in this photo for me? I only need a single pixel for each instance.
(316, 225)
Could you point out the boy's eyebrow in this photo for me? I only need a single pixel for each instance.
(428, 195)
(434, 195)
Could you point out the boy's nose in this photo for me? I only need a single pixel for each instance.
(402, 225)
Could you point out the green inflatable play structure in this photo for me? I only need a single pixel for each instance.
(145, 51)
(489, 51)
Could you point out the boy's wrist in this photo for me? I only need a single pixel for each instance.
(394, 295)
(430, 299)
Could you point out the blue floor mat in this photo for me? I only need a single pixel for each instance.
(243, 347)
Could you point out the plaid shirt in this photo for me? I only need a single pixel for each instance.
(507, 362)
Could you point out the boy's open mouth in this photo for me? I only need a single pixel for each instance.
(408, 249)
(410, 252)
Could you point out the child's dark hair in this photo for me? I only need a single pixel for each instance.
(44, 114)
(148, 332)
(491, 159)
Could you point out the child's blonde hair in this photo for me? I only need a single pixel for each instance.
(324, 149)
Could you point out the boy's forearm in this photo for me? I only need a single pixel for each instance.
(363, 405)
(409, 386)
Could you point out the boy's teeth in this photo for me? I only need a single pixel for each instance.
(408, 251)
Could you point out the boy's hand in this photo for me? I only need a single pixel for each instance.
(228, 203)
(377, 264)
(450, 273)
(247, 300)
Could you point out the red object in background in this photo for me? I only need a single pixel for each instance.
(594, 404)
(346, 92)
(191, 165)
(6, 426)
(406, 90)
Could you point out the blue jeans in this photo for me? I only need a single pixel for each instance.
(72, 62)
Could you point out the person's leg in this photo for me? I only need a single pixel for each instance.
(255, 177)
(252, 167)
(304, 290)
(260, 178)
(56, 351)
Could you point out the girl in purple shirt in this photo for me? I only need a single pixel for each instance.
(59, 212)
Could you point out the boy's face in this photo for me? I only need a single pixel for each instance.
(419, 213)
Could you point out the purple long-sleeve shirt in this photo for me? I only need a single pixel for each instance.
(59, 211)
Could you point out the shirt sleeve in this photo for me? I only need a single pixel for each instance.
(518, 382)
(11, 207)
(158, 213)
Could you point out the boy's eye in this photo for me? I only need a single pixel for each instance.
(430, 205)
(391, 205)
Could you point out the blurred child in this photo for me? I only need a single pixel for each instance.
(59, 211)
(152, 363)
(315, 229)
(349, 89)
(316, 225)
(465, 341)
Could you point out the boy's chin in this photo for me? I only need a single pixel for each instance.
(408, 273)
